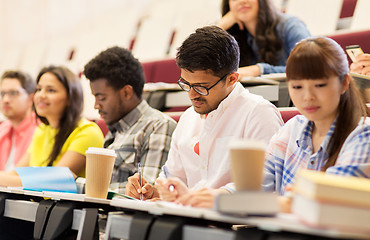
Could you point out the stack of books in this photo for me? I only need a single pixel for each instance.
(247, 203)
(331, 201)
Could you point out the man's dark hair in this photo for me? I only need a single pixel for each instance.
(119, 67)
(209, 49)
(27, 82)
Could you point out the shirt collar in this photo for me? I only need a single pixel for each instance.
(304, 140)
(224, 104)
(129, 119)
(25, 124)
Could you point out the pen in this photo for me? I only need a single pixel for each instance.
(141, 180)
(167, 174)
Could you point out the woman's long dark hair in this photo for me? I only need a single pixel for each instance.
(269, 45)
(318, 58)
(72, 113)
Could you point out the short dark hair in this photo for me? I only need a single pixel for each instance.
(72, 114)
(119, 67)
(209, 49)
(27, 82)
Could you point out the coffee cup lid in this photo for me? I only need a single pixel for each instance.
(102, 151)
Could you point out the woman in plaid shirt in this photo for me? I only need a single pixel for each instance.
(333, 132)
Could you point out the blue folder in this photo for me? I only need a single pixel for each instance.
(54, 179)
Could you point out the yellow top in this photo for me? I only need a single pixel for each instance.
(86, 134)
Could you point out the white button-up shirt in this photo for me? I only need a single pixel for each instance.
(241, 115)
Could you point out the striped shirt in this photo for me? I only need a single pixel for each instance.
(143, 135)
(291, 149)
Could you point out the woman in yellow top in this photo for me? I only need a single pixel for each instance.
(63, 136)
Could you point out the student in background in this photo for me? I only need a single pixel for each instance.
(64, 135)
(265, 36)
(16, 96)
(138, 132)
(362, 66)
(222, 110)
(333, 132)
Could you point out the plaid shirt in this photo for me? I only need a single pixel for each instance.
(291, 149)
(143, 135)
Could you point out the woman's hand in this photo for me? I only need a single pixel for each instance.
(285, 204)
(203, 198)
(228, 20)
(362, 66)
(249, 71)
(171, 188)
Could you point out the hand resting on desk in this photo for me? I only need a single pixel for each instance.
(203, 198)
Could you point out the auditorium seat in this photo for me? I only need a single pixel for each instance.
(348, 8)
(161, 71)
(103, 127)
(156, 29)
(148, 68)
(351, 38)
(361, 16)
(287, 113)
(321, 17)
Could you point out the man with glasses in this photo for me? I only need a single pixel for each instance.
(221, 110)
(16, 96)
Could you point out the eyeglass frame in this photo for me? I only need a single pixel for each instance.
(11, 93)
(194, 86)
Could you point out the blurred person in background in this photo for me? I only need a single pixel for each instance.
(265, 35)
(16, 96)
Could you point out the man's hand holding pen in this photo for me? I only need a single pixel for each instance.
(134, 189)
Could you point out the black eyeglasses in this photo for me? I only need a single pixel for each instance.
(199, 89)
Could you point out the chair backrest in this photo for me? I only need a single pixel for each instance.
(350, 38)
(162, 71)
(148, 68)
(348, 8)
(155, 32)
(361, 16)
(189, 18)
(321, 17)
(103, 127)
(32, 58)
(175, 115)
(287, 113)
